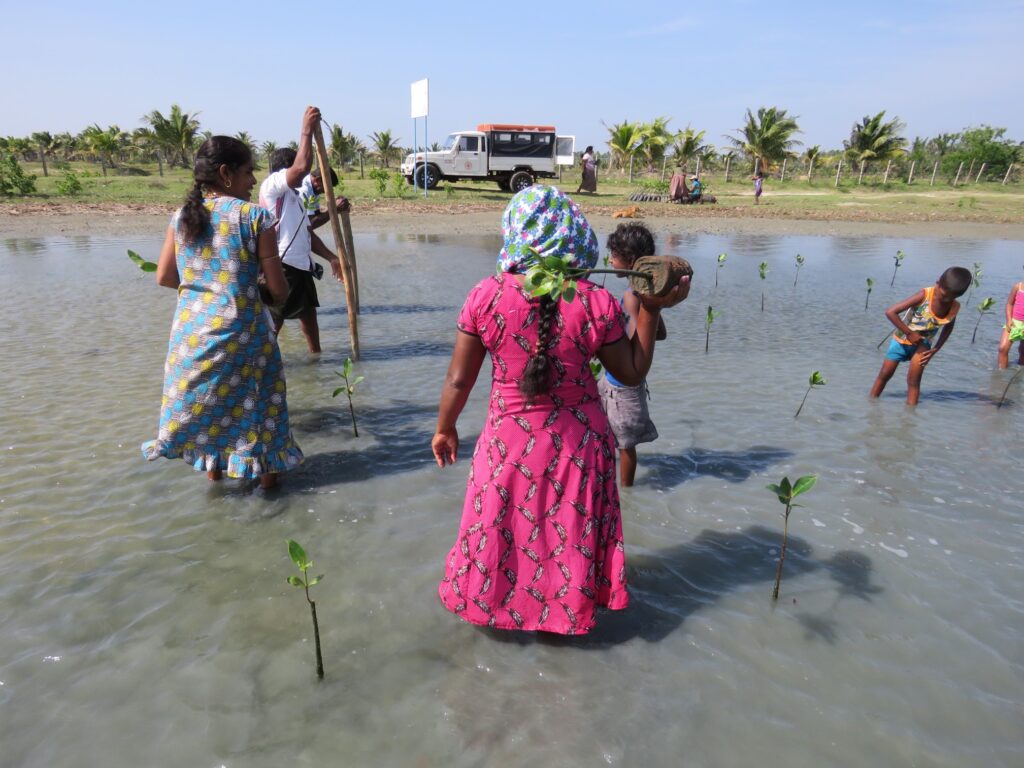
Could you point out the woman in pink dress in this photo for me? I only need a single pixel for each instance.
(540, 544)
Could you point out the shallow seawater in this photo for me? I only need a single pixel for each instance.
(146, 620)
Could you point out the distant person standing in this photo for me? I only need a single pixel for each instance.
(296, 242)
(758, 179)
(589, 164)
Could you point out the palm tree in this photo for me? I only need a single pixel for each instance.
(45, 143)
(874, 139)
(177, 131)
(267, 148)
(656, 139)
(625, 140)
(768, 137)
(385, 145)
(343, 147)
(147, 144)
(689, 144)
(105, 143)
(67, 144)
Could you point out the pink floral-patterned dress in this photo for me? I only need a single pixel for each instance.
(540, 543)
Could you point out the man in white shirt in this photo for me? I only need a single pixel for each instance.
(309, 193)
(296, 243)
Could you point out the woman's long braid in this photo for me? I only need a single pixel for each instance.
(537, 376)
(194, 217)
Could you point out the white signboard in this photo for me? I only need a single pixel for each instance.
(419, 99)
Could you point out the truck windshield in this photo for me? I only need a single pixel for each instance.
(450, 141)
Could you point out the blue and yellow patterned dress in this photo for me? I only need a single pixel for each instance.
(225, 403)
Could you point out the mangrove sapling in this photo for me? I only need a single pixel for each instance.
(986, 304)
(348, 389)
(816, 380)
(975, 282)
(786, 493)
(867, 296)
(1016, 334)
(141, 263)
(898, 259)
(298, 556)
(708, 320)
(721, 263)
(799, 263)
(762, 270)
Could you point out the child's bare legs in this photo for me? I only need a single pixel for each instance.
(269, 481)
(886, 372)
(311, 329)
(1004, 349)
(914, 374)
(627, 466)
(214, 475)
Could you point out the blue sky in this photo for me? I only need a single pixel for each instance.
(939, 66)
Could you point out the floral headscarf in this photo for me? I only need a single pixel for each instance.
(542, 221)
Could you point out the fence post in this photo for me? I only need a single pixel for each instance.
(861, 175)
(957, 179)
(980, 171)
(1010, 168)
(630, 169)
(783, 177)
(910, 176)
(664, 162)
(935, 169)
(810, 170)
(698, 167)
(970, 171)
(361, 163)
(728, 158)
(888, 165)
(839, 168)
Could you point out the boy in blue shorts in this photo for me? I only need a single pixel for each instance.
(926, 312)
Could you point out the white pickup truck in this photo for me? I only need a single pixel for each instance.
(514, 156)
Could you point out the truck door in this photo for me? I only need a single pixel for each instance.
(471, 156)
(565, 150)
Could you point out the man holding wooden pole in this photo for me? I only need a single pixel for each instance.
(295, 241)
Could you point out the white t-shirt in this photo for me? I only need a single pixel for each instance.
(292, 224)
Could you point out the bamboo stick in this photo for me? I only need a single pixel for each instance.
(910, 176)
(935, 169)
(339, 242)
(957, 179)
(783, 177)
(980, 171)
(728, 158)
(346, 230)
(861, 174)
(1007, 176)
(888, 165)
(839, 169)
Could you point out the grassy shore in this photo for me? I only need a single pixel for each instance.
(795, 198)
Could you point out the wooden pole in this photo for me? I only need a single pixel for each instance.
(698, 167)
(935, 169)
(810, 170)
(957, 179)
(664, 162)
(861, 174)
(980, 171)
(970, 171)
(630, 169)
(346, 231)
(910, 176)
(339, 242)
(839, 169)
(361, 163)
(727, 159)
(885, 179)
(1007, 176)
(783, 177)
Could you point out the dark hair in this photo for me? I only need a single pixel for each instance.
(538, 375)
(631, 241)
(590, 148)
(956, 280)
(214, 152)
(334, 177)
(282, 158)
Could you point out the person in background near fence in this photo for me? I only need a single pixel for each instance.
(696, 188)
(295, 241)
(225, 407)
(758, 179)
(626, 406)
(927, 311)
(678, 192)
(1014, 315)
(588, 183)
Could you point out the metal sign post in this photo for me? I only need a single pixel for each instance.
(420, 106)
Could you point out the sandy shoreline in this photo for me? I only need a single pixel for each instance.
(49, 221)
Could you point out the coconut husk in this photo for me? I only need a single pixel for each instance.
(664, 270)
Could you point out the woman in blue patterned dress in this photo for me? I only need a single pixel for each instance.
(224, 406)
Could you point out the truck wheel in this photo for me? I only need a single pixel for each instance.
(433, 177)
(520, 180)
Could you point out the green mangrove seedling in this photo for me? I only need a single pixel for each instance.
(596, 368)
(555, 277)
(708, 320)
(868, 294)
(303, 563)
(986, 304)
(141, 263)
(799, 263)
(762, 270)
(786, 493)
(721, 263)
(898, 259)
(348, 389)
(1016, 334)
(975, 282)
(816, 380)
